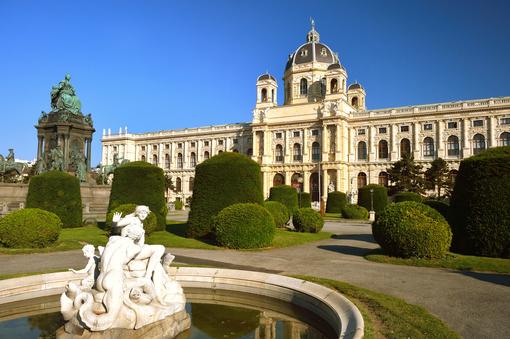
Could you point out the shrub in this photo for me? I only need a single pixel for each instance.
(307, 220)
(221, 181)
(480, 207)
(178, 205)
(351, 211)
(411, 229)
(29, 228)
(150, 224)
(380, 196)
(244, 226)
(306, 200)
(59, 193)
(408, 196)
(440, 206)
(336, 202)
(140, 183)
(285, 194)
(278, 211)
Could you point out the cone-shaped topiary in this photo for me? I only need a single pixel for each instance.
(307, 220)
(380, 196)
(480, 207)
(305, 200)
(279, 212)
(336, 202)
(285, 194)
(221, 181)
(140, 183)
(150, 224)
(59, 193)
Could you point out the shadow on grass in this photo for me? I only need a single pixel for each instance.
(349, 250)
(179, 229)
(499, 279)
(360, 237)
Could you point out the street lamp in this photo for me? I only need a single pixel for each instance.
(371, 199)
(300, 188)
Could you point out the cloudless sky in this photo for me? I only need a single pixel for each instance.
(159, 65)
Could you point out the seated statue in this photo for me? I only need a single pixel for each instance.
(63, 97)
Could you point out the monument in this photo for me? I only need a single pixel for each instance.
(65, 133)
(126, 288)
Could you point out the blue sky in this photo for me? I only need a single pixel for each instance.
(157, 65)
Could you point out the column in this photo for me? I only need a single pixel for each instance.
(161, 160)
(338, 142)
(324, 143)
(345, 142)
(89, 151)
(306, 153)
(416, 141)
(352, 146)
(267, 147)
(393, 143)
(466, 151)
(439, 140)
(492, 132)
(39, 147)
(371, 146)
(306, 181)
(325, 183)
(185, 161)
(288, 177)
(338, 186)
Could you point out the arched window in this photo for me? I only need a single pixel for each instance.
(316, 152)
(354, 102)
(206, 155)
(278, 153)
(383, 179)
(191, 182)
(178, 185)
(333, 85)
(167, 160)
(383, 149)
(405, 147)
(263, 95)
(143, 157)
(278, 179)
(249, 152)
(297, 181)
(297, 152)
(272, 95)
(155, 160)
(193, 159)
(303, 87)
(478, 143)
(428, 147)
(179, 160)
(504, 139)
(453, 146)
(362, 179)
(362, 150)
(220, 151)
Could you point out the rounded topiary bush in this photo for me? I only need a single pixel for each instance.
(150, 224)
(287, 195)
(380, 196)
(336, 202)
(307, 220)
(305, 200)
(480, 207)
(244, 226)
(178, 205)
(221, 181)
(140, 183)
(351, 211)
(411, 229)
(440, 206)
(59, 193)
(29, 228)
(407, 196)
(279, 212)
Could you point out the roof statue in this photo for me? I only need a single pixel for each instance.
(63, 97)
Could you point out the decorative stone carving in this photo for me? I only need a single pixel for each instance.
(130, 290)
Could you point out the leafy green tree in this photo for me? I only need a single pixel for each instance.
(406, 175)
(437, 176)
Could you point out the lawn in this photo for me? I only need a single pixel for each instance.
(451, 260)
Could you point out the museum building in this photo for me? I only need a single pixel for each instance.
(322, 138)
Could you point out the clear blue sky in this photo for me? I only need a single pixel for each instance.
(156, 65)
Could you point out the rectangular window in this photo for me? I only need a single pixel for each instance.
(296, 134)
(167, 146)
(505, 121)
(143, 148)
(477, 123)
(193, 144)
(206, 143)
(179, 145)
(452, 124)
(427, 127)
(278, 135)
(315, 132)
(383, 130)
(235, 141)
(361, 131)
(155, 147)
(220, 142)
(404, 128)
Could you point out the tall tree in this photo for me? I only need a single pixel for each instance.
(406, 175)
(437, 176)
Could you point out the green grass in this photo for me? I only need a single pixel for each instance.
(332, 216)
(451, 260)
(175, 236)
(287, 238)
(389, 317)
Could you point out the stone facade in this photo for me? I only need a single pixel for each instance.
(323, 132)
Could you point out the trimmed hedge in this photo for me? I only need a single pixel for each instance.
(29, 228)
(244, 226)
(178, 205)
(351, 211)
(140, 183)
(287, 195)
(408, 196)
(279, 212)
(307, 220)
(380, 197)
(306, 200)
(480, 204)
(336, 202)
(150, 224)
(59, 193)
(411, 229)
(440, 206)
(223, 180)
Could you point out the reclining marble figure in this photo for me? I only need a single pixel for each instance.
(131, 288)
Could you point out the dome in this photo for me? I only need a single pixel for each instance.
(335, 66)
(355, 86)
(312, 51)
(266, 76)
